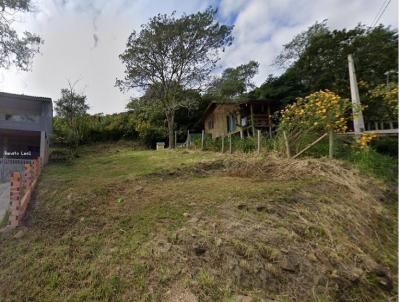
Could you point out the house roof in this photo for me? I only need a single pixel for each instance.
(24, 97)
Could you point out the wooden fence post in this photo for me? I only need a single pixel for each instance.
(310, 145)
(258, 141)
(252, 120)
(175, 139)
(230, 144)
(222, 145)
(331, 143)
(286, 144)
(202, 139)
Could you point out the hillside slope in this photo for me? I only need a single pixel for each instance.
(125, 225)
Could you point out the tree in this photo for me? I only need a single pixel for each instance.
(318, 56)
(173, 55)
(71, 104)
(285, 88)
(14, 49)
(71, 110)
(234, 82)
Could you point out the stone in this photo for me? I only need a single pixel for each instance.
(186, 214)
(218, 242)
(82, 219)
(290, 264)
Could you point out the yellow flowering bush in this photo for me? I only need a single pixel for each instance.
(365, 138)
(320, 110)
(381, 100)
(388, 94)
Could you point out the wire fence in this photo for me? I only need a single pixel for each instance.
(9, 165)
(226, 144)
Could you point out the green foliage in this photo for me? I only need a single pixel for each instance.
(170, 56)
(386, 146)
(284, 88)
(234, 82)
(381, 101)
(71, 105)
(317, 60)
(319, 56)
(370, 161)
(94, 128)
(367, 160)
(245, 144)
(14, 49)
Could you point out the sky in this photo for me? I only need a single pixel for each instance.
(83, 38)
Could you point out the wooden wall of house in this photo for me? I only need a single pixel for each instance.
(219, 117)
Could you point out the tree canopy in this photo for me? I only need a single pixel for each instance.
(15, 49)
(172, 55)
(234, 82)
(317, 59)
(71, 104)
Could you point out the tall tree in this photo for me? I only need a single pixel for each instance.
(318, 56)
(71, 104)
(172, 55)
(15, 49)
(71, 110)
(234, 82)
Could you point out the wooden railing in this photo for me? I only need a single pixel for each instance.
(381, 125)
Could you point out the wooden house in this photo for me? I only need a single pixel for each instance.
(240, 117)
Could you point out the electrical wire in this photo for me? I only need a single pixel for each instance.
(380, 13)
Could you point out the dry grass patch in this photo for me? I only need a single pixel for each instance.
(179, 227)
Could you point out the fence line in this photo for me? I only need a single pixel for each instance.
(9, 165)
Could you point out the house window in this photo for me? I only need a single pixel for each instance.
(231, 122)
(30, 118)
(210, 123)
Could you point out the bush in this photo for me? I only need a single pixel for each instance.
(150, 136)
(386, 145)
(245, 144)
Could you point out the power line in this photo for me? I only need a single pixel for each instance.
(380, 13)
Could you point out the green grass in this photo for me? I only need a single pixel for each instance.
(114, 225)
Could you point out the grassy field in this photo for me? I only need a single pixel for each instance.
(119, 224)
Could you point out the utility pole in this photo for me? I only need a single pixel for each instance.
(358, 119)
(387, 74)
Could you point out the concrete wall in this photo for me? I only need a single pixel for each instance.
(25, 122)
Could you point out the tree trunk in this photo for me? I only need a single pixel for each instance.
(170, 120)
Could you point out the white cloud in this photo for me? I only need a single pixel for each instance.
(68, 28)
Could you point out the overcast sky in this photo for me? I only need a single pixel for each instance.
(83, 38)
